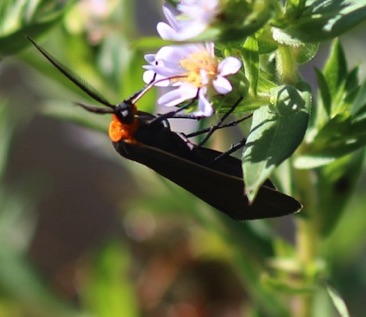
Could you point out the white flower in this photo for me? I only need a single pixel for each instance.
(188, 19)
(192, 70)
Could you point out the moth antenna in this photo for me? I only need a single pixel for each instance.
(72, 76)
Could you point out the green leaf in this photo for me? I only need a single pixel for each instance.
(312, 161)
(338, 137)
(282, 37)
(275, 134)
(338, 88)
(336, 182)
(19, 18)
(338, 302)
(352, 82)
(351, 89)
(342, 130)
(240, 23)
(321, 20)
(16, 41)
(335, 70)
(358, 110)
(305, 53)
(251, 62)
(325, 95)
(241, 19)
(266, 44)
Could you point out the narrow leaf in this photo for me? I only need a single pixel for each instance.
(335, 69)
(251, 62)
(338, 302)
(352, 80)
(358, 109)
(312, 161)
(324, 92)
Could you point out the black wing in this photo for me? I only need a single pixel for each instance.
(221, 190)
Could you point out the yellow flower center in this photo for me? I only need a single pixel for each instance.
(199, 63)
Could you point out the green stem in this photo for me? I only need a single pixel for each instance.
(307, 240)
(307, 234)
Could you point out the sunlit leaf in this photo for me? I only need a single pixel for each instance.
(251, 62)
(321, 20)
(32, 18)
(338, 302)
(335, 70)
(274, 136)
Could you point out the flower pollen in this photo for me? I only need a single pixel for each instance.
(201, 68)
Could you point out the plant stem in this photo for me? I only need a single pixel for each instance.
(307, 240)
(306, 233)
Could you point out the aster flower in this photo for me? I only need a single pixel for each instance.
(193, 71)
(188, 19)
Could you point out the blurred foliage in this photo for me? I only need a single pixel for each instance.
(174, 255)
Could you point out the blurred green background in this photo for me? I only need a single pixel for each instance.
(84, 232)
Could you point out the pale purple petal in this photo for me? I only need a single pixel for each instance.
(148, 67)
(230, 65)
(210, 48)
(204, 106)
(165, 72)
(204, 77)
(148, 76)
(222, 85)
(188, 19)
(172, 54)
(165, 69)
(150, 58)
(185, 31)
(189, 30)
(170, 57)
(171, 15)
(200, 10)
(165, 31)
(177, 96)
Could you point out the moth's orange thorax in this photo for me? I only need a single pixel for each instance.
(119, 131)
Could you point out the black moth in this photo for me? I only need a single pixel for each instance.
(147, 139)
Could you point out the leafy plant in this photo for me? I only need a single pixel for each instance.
(311, 141)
